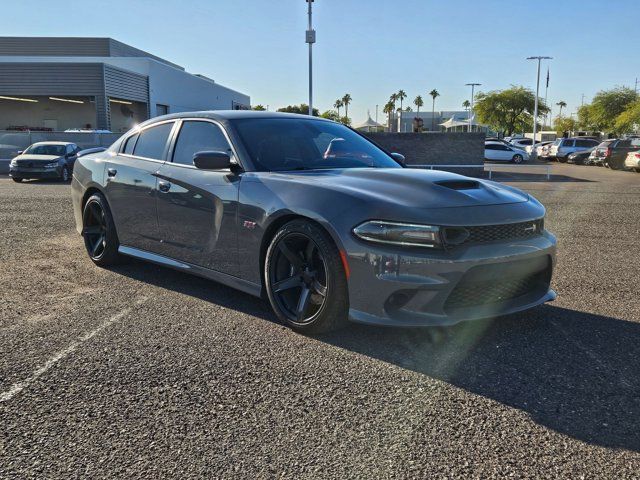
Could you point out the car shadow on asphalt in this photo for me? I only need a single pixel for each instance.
(574, 372)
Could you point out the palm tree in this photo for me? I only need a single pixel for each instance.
(346, 100)
(466, 104)
(393, 99)
(338, 105)
(401, 95)
(562, 104)
(389, 107)
(418, 102)
(434, 93)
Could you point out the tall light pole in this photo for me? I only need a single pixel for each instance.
(310, 39)
(535, 108)
(473, 86)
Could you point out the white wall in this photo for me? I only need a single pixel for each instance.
(178, 89)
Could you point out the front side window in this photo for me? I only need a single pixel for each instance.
(567, 143)
(153, 141)
(281, 144)
(197, 136)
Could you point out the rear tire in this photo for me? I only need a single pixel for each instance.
(17, 180)
(305, 278)
(99, 232)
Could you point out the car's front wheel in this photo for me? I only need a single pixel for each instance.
(17, 180)
(99, 232)
(65, 176)
(517, 158)
(305, 278)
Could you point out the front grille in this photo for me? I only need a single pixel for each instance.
(494, 284)
(491, 233)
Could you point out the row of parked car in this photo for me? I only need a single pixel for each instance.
(617, 153)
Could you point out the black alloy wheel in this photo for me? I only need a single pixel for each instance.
(305, 278)
(65, 176)
(99, 232)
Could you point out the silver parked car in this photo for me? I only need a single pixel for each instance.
(633, 161)
(315, 217)
(562, 147)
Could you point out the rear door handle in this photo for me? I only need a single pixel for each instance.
(111, 172)
(163, 186)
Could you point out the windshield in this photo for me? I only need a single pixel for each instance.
(281, 144)
(45, 150)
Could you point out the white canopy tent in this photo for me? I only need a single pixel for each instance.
(369, 125)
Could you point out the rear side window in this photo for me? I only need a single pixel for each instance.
(584, 143)
(196, 136)
(130, 143)
(567, 143)
(153, 141)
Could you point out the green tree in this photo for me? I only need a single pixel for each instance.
(466, 104)
(302, 109)
(418, 102)
(345, 120)
(585, 118)
(509, 110)
(434, 94)
(607, 105)
(331, 115)
(259, 108)
(393, 99)
(564, 124)
(401, 96)
(346, 100)
(629, 120)
(338, 105)
(562, 104)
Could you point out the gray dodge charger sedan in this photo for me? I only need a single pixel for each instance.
(310, 214)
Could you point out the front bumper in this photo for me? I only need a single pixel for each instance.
(392, 287)
(24, 172)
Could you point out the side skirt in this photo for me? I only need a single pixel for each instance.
(226, 279)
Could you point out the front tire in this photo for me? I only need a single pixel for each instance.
(305, 278)
(65, 176)
(517, 158)
(99, 232)
(17, 180)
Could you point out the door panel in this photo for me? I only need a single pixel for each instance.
(131, 193)
(197, 209)
(197, 216)
(131, 186)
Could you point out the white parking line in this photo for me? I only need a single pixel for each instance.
(16, 388)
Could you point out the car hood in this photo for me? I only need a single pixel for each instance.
(407, 187)
(37, 157)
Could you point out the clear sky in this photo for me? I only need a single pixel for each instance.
(369, 48)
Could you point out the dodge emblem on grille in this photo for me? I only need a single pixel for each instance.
(532, 228)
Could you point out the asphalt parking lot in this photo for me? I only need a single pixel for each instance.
(140, 371)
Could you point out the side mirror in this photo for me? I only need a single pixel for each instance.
(20, 152)
(398, 157)
(212, 160)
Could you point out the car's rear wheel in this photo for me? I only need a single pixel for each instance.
(305, 278)
(17, 180)
(65, 176)
(517, 158)
(562, 159)
(99, 232)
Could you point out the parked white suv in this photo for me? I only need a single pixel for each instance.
(499, 152)
(562, 147)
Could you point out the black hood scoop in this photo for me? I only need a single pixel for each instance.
(459, 184)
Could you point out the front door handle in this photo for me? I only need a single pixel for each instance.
(163, 186)
(111, 172)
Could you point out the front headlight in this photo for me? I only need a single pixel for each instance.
(51, 165)
(14, 163)
(405, 234)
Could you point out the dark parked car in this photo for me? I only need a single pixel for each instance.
(315, 217)
(45, 160)
(613, 153)
(580, 158)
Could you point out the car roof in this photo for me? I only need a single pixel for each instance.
(229, 115)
